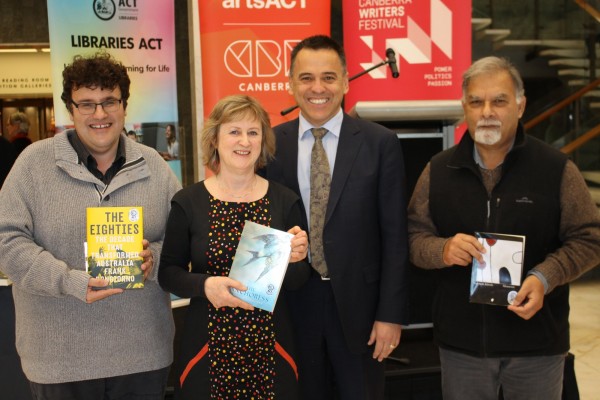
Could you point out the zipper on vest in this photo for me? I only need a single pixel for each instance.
(489, 213)
(482, 307)
(497, 213)
(483, 332)
(496, 206)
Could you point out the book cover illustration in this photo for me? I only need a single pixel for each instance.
(114, 242)
(498, 279)
(260, 262)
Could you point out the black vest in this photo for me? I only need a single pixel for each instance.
(526, 201)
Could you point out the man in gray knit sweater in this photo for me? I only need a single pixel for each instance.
(76, 342)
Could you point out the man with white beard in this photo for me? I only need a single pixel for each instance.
(498, 179)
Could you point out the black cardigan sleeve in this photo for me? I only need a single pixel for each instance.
(187, 229)
(287, 204)
(174, 268)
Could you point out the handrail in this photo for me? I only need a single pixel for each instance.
(562, 104)
(581, 140)
(589, 9)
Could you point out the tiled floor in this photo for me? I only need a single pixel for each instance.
(585, 334)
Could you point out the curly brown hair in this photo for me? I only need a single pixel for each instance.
(99, 70)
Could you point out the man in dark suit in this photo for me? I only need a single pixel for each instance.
(348, 315)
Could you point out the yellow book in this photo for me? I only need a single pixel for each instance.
(4, 281)
(114, 242)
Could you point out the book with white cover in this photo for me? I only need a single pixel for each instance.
(497, 279)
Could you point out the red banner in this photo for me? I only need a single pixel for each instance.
(431, 40)
(246, 45)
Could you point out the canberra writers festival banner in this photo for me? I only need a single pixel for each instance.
(430, 41)
(141, 35)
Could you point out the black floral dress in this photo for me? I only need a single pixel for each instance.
(241, 343)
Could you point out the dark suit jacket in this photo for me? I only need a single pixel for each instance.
(365, 233)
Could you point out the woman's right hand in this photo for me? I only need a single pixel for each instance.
(217, 292)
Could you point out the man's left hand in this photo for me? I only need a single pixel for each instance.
(146, 254)
(530, 298)
(386, 337)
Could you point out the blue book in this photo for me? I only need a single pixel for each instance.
(260, 262)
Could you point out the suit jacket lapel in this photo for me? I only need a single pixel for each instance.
(287, 152)
(351, 139)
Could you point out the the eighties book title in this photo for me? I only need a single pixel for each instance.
(114, 242)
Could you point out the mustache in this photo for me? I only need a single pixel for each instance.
(488, 122)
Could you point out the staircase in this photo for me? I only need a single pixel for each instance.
(569, 58)
(557, 41)
(482, 31)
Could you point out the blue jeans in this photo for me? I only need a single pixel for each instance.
(466, 377)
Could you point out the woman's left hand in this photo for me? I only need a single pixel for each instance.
(299, 244)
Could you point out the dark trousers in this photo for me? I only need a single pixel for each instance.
(13, 383)
(327, 369)
(149, 385)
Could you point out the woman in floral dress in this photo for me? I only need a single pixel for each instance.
(229, 350)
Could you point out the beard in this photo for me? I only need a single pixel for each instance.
(488, 132)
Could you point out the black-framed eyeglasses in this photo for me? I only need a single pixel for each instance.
(110, 105)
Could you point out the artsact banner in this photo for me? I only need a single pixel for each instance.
(246, 46)
(141, 35)
(431, 41)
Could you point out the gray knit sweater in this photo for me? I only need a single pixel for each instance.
(43, 204)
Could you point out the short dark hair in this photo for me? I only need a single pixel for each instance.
(319, 42)
(99, 70)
